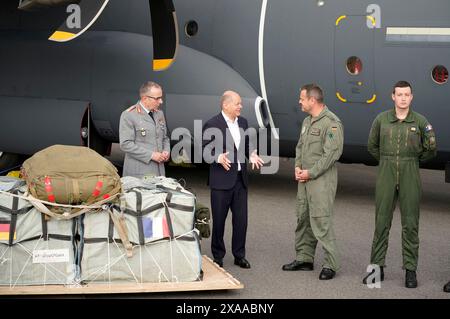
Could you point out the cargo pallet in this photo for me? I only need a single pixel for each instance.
(214, 278)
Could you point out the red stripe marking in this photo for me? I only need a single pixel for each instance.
(49, 189)
(98, 188)
(4, 228)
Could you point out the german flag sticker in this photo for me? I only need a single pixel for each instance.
(334, 128)
(5, 228)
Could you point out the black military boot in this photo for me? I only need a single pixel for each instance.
(371, 273)
(410, 279)
(298, 265)
(327, 274)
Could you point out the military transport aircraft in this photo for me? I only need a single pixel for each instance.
(59, 85)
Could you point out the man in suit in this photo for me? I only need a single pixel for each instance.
(143, 134)
(228, 175)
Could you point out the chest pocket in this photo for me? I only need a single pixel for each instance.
(142, 133)
(386, 136)
(413, 139)
(161, 126)
(315, 141)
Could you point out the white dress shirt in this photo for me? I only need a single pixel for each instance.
(233, 126)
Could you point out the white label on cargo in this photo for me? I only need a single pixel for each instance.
(50, 256)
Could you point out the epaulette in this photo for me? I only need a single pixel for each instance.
(332, 116)
(131, 108)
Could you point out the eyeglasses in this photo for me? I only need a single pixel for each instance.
(158, 98)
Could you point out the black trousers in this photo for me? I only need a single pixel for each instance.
(221, 202)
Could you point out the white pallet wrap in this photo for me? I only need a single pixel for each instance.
(34, 250)
(159, 224)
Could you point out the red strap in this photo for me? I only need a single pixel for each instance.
(49, 189)
(98, 188)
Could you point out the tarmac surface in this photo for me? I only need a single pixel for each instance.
(270, 239)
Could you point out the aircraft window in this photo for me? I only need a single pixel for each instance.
(354, 65)
(440, 74)
(191, 28)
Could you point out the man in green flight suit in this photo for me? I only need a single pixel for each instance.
(399, 139)
(319, 147)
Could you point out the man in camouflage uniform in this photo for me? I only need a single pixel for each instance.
(399, 139)
(143, 134)
(319, 147)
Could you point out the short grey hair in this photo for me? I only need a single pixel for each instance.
(147, 87)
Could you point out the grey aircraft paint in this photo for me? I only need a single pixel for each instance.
(302, 43)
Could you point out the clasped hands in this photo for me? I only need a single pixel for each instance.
(301, 175)
(254, 159)
(160, 157)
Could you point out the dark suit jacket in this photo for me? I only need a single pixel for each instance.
(219, 178)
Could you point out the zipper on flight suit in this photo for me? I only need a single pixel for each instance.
(303, 136)
(398, 153)
(406, 137)
(390, 136)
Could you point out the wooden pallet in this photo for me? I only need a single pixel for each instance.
(214, 278)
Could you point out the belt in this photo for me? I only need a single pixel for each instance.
(400, 158)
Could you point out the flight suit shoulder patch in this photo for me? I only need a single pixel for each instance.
(428, 128)
(334, 130)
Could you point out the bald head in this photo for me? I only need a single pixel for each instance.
(227, 97)
(231, 104)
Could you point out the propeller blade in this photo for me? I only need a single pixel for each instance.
(165, 33)
(79, 21)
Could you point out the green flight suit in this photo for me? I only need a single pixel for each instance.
(399, 146)
(319, 147)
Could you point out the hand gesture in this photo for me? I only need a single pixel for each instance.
(256, 160)
(224, 161)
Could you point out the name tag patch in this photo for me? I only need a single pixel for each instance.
(315, 131)
(413, 129)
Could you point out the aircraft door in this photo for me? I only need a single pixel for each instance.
(354, 59)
